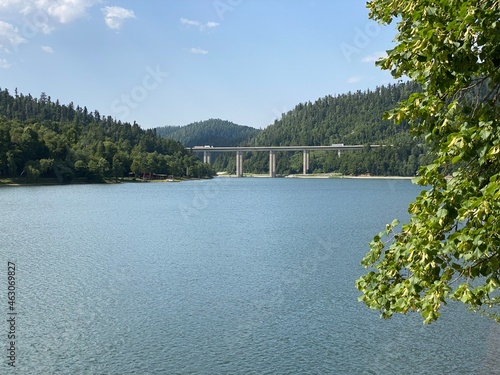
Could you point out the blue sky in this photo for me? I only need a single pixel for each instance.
(173, 62)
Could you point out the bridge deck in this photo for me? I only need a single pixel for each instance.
(280, 148)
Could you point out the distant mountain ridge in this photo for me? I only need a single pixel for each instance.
(214, 132)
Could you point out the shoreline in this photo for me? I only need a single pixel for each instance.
(319, 175)
(13, 182)
(8, 182)
(360, 177)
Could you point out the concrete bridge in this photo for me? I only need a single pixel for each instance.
(207, 150)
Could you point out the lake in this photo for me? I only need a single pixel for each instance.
(222, 276)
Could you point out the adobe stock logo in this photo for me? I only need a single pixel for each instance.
(138, 94)
(223, 6)
(362, 39)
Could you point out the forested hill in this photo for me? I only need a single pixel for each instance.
(42, 138)
(214, 132)
(352, 118)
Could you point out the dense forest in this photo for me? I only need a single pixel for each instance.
(42, 138)
(214, 132)
(351, 119)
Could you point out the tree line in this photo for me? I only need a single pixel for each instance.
(43, 138)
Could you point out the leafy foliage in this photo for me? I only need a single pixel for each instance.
(450, 249)
(41, 138)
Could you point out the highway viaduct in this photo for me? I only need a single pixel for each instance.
(207, 150)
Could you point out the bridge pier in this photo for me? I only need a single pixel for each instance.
(339, 148)
(272, 163)
(239, 163)
(305, 164)
(206, 157)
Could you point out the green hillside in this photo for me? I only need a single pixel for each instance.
(214, 132)
(352, 118)
(41, 138)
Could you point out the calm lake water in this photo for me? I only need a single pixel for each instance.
(227, 276)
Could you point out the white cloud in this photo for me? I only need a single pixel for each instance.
(4, 64)
(64, 11)
(198, 24)
(374, 57)
(198, 51)
(188, 22)
(212, 24)
(116, 16)
(10, 37)
(47, 49)
(7, 3)
(354, 79)
(40, 15)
